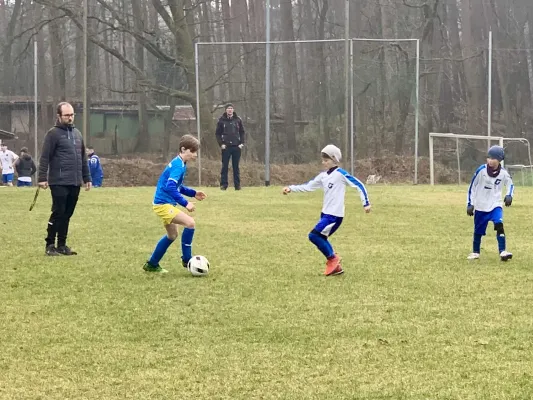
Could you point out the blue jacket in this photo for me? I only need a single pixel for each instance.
(97, 173)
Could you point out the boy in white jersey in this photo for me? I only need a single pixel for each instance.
(8, 158)
(334, 181)
(484, 201)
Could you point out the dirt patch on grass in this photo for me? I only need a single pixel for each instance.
(145, 170)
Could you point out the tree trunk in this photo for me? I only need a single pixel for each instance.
(289, 66)
(42, 81)
(9, 76)
(143, 138)
(323, 114)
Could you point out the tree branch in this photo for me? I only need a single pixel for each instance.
(151, 47)
(165, 15)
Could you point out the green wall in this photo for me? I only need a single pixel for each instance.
(127, 124)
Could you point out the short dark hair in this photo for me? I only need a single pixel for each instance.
(24, 150)
(89, 147)
(228, 106)
(189, 142)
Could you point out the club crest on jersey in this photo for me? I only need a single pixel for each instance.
(497, 181)
(330, 185)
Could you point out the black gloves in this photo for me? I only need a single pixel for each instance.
(508, 200)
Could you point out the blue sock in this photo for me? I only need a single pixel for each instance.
(477, 243)
(322, 243)
(186, 244)
(501, 242)
(160, 250)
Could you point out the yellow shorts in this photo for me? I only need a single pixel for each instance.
(166, 212)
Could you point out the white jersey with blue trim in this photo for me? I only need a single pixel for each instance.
(7, 159)
(334, 182)
(485, 191)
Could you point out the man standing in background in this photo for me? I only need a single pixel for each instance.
(63, 167)
(230, 137)
(8, 158)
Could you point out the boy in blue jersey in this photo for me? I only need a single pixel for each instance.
(169, 193)
(333, 180)
(484, 201)
(97, 173)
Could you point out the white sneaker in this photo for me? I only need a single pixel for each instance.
(473, 256)
(505, 255)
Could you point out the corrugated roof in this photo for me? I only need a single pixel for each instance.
(7, 135)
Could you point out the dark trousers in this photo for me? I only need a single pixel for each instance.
(64, 199)
(234, 153)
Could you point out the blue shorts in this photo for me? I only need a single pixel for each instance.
(6, 178)
(328, 224)
(482, 219)
(20, 183)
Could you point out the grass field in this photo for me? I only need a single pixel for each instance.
(410, 318)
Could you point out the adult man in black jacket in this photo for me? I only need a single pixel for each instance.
(63, 167)
(230, 137)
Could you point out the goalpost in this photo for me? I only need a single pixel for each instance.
(351, 129)
(488, 139)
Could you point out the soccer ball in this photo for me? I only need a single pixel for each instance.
(198, 266)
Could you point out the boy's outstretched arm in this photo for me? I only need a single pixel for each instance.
(352, 181)
(187, 191)
(310, 186)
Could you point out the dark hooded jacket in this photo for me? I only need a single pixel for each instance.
(63, 159)
(230, 131)
(25, 166)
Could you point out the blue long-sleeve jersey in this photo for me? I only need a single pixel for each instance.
(170, 188)
(97, 173)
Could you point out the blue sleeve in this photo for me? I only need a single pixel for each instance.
(187, 191)
(473, 185)
(352, 181)
(172, 189)
(173, 186)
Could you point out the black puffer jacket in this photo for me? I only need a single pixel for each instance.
(25, 166)
(230, 131)
(63, 160)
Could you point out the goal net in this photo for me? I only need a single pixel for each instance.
(308, 95)
(453, 158)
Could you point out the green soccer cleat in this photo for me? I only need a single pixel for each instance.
(151, 268)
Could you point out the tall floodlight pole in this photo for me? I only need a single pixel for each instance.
(489, 85)
(346, 75)
(35, 65)
(85, 105)
(267, 95)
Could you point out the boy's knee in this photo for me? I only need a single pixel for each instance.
(191, 224)
(172, 235)
(498, 227)
(314, 236)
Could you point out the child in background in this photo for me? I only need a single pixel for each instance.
(484, 201)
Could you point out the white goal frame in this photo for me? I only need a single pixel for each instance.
(455, 136)
(350, 130)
